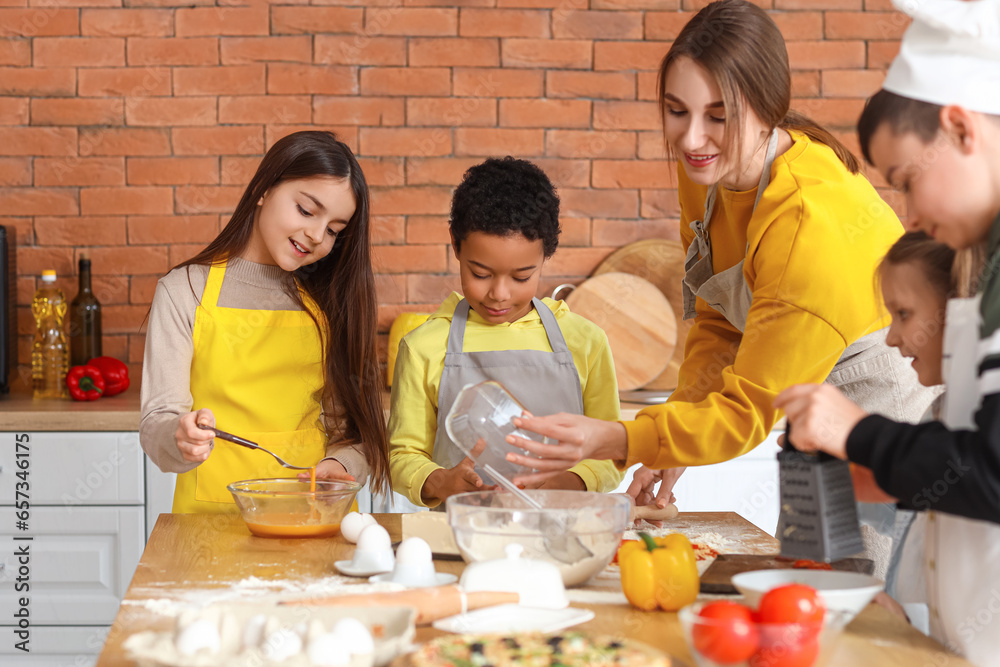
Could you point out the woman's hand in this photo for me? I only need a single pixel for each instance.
(329, 468)
(578, 438)
(195, 444)
(883, 600)
(821, 417)
(644, 480)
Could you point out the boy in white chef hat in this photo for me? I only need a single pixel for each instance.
(933, 131)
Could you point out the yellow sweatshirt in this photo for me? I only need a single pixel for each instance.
(420, 362)
(815, 241)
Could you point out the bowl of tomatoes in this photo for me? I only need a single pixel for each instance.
(841, 591)
(790, 628)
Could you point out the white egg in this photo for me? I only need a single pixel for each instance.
(413, 551)
(201, 635)
(374, 538)
(253, 631)
(282, 645)
(328, 651)
(355, 636)
(351, 525)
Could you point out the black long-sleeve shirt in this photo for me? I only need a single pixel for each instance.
(927, 466)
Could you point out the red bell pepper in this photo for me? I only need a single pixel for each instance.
(85, 383)
(115, 374)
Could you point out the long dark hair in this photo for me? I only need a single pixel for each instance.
(742, 48)
(342, 284)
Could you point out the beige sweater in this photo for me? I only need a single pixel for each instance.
(166, 367)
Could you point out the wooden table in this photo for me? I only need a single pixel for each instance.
(203, 552)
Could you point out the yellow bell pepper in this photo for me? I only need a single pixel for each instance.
(659, 572)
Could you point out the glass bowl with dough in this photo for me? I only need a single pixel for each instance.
(485, 522)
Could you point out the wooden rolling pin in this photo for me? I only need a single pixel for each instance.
(430, 603)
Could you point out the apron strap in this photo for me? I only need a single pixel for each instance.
(213, 286)
(700, 227)
(456, 333)
(698, 262)
(701, 247)
(556, 340)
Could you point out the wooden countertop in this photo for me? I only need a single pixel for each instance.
(187, 554)
(19, 411)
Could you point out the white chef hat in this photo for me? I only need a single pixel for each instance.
(950, 54)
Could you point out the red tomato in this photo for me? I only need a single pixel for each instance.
(803, 564)
(792, 603)
(729, 635)
(792, 654)
(620, 544)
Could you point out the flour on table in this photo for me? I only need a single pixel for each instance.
(257, 592)
(711, 540)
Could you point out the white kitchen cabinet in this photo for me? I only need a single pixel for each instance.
(93, 499)
(75, 469)
(81, 561)
(64, 647)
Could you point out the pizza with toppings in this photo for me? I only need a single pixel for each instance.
(703, 551)
(571, 649)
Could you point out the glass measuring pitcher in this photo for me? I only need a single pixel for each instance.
(483, 412)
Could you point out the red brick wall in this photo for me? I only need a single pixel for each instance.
(129, 127)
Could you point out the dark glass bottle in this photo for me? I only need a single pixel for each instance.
(84, 321)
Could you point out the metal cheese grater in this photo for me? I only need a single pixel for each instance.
(819, 515)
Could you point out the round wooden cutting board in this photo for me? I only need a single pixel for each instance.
(638, 320)
(661, 262)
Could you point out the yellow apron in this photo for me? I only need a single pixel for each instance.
(260, 372)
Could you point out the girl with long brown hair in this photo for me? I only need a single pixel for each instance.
(269, 333)
(782, 236)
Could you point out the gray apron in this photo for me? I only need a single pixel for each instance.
(543, 382)
(869, 372)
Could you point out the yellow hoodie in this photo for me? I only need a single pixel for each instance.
(420, 362)
(815, 241)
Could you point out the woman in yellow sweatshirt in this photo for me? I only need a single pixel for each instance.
(783, 235)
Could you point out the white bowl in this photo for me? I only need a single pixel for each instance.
(842, 591)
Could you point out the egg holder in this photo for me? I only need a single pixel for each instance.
(542, 605)
(411, 566)
(253, 636)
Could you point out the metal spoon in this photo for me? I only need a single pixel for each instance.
(250, 445)
(562, 547)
